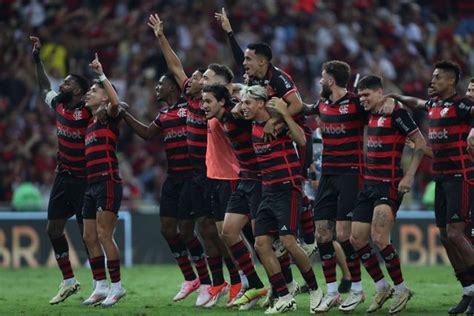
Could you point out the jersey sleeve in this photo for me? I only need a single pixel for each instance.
(157, 120)
(465, 110)
(404, 122)
(283, 85)
(49, 99)
(315, 107)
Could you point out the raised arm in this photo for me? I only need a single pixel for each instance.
(411, 102)
(296, 132)
(41, 77)
(172, 60)
(234, 45)
(114, 101)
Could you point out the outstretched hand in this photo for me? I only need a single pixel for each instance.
(96, 65)
(36, 46)
(222, 17)
(155, 24)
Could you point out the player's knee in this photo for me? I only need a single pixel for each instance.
(343, 235)
(262, 247)
(103, 235)
(380, 240)
(168, 232)
(187, 236)
(356, 241)
(228, 236)
(89, 238)
(323, 235)
(289, 242)
(54, 230)
(454, 234)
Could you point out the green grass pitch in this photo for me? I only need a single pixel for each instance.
(150, 289)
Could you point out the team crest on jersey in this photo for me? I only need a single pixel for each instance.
(77, 115)
(444, 112)
(182, 112)
(344, 109)
(381, 121)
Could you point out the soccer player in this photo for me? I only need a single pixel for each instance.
(470, 89)
(280, 207)
(243, 203)
(69, 186)
(451, 121)
(176, 210)
(197, 143)
(383, 189)
(104, 190)
(256, 61)
(342, 120)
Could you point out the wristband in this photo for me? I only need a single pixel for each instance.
(102, 77)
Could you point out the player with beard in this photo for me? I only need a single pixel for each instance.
(280, 207)
(67, 194)
(342, 120)
(103, 195)
(176, 217)
(197, 143)
(451, 134)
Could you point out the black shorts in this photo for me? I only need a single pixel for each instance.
(201, 191)
(245, 199)
(220, 195)
(336, 197)
(278, 213)
(454, 198)
(176, 199)
(102, 196)
(373, 194)
(67, 197)
(305, 153)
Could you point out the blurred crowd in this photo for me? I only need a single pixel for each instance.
(398, 40)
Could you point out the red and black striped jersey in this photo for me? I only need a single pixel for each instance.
(386, 136)
(449, 125)
(172, 123)
(71, 125)
(101, 145)
(278, 160)
(196, 123)
(280, 84)
(239, 133)
(342, 127)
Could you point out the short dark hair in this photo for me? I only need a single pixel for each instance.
(201, 69)
(261, 49)
(222, 71)
(341, 71)
(450, 66)
(220, 92)
(82, 82)
(472, 80)
(169, 76)
(371, 82)
(101, 84)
